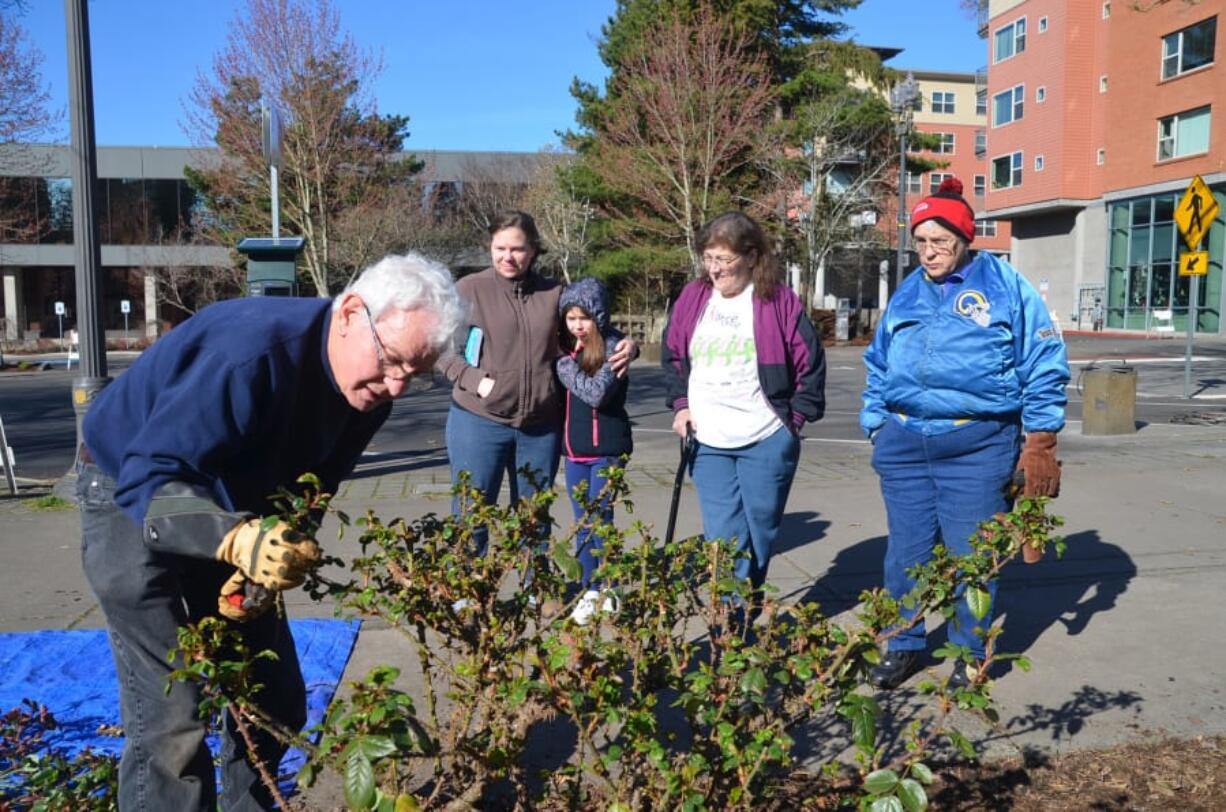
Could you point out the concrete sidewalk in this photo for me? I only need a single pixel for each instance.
(1116, 631)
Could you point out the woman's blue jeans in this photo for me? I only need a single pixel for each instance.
(487, 450)
(587, 475)
(742, 493)
(938, 488)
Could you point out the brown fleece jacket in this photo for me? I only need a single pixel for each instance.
(519, 319)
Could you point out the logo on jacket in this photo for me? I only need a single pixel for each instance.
(973, 305)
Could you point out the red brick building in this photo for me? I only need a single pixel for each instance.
(1099, 115)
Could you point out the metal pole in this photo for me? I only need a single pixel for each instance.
(87, 255)
(276, 203)
(902, 204)
(1187, 354)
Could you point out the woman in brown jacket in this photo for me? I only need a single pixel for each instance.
(506, 406)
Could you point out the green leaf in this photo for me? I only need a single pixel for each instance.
(864, 727)
(754, 681)
(407, 803)
(567, 563)
(376, 747)
(912, 795)
(979, 600)
(306, 776)
(921, 772)
(888, 804)
(880, 782)
(359, 782)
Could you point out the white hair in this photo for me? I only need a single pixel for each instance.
(410, 282)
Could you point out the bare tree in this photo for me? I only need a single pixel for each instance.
(683, 115)
(25, 118)
(841, 176)
(563, 214)
(338, 152)
(492, 185)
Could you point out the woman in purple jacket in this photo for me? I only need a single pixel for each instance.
(748, 370)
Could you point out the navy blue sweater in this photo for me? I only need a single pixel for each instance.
(239, 399)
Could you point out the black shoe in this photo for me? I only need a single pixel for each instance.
(894, 669)
(961, 675)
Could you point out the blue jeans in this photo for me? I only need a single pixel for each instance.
(487, 450)
(587, 475)
(146, 597)
(742, 493)
(938, 489)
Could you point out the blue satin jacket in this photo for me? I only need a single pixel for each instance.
(981, 348)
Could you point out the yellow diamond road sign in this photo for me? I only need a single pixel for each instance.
(1196, 211)
(1194, 263)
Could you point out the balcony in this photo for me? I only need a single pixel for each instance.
(981, 16)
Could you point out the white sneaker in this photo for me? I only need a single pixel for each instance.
(592, 602)
(460, 605)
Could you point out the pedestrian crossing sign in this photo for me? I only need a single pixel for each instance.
(1195, 214)
(1194, 263)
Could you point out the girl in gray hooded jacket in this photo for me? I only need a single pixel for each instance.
(596, 435)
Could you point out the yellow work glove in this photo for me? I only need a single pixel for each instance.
(241, 600)
(278, 558)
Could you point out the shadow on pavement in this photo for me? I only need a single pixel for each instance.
(1088, 580)
(798, 529)
(1069, 718)
(855, 569)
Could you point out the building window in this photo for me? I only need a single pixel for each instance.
(981, 185)
(942, 101)
(1189, 48)
(1007, 171)
(985, 228)
(1101, 157)
(1042, 25)
(935, 179)
(1102, 84)
(1183, 134)
(1040, 94)
(1038, 163)
(1010, 40)
(1007, 106)
(1143, 252)
(1107, 9)
(981, 142)
(946, 144)
(915, 182)
(981, 103)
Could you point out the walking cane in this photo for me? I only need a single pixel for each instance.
(688, 446)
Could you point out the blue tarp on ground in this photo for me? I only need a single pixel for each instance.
(72, 673)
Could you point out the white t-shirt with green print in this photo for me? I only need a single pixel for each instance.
(725, 395)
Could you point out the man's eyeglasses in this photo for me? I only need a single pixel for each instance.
(942, 245)
(723, 263)
(392, 370)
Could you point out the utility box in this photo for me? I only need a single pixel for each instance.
(272, 265)
(1109, 400)
(842, 320)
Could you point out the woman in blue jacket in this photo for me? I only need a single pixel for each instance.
(965, 360)
(747, 371)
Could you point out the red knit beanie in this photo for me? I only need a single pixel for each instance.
(949, 208)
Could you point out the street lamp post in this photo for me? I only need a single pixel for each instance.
(904, 98)
(86, 250)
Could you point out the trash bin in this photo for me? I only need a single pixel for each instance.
(1109, 399)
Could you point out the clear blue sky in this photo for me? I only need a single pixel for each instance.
(470, 74)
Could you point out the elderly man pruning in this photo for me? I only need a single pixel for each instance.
(180, 456)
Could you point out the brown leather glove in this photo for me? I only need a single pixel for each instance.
(278, 558)
(242, 600)
(1038, 463)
